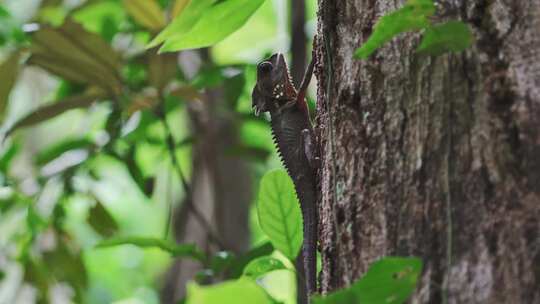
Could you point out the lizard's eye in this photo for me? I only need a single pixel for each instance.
(265, 66)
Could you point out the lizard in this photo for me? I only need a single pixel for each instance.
(294, 140)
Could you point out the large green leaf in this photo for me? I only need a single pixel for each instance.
(52, 110)
(390, 280)
(9, 70)
(218, 22)
(75, 54)
(183, 250)
(262, 266)
(179, 6)
(147, 13)
(453, 36)
(413, 16)
(183, 23)
(279, 213)
(230, 292)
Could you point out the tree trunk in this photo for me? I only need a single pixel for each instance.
(435, 157)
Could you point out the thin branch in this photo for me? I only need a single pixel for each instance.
(171, 147)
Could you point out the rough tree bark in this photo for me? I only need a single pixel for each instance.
(436, 157)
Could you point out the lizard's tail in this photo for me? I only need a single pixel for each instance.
(309, 247)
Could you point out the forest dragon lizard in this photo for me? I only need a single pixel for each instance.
(294, 140)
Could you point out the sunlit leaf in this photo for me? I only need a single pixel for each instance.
(230, 292)
(218, 22)
(54, 15)
(178, 7)
(262, 266)
(453, 36)
(101, 220)
(147, 13)
(104, 17)
(52, 110)
(183, 250)
(9, 70)
(279, 212)
(183, 22)
(390, 280)
(413, 16)
(75, 54)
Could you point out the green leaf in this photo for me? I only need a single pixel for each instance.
(262, 265)
(239, 263)
(75, 54)
(53, 15)
(413, 16)
(230, 292)
(179, 6)
(183, 250)
(279, 213)
(390, 280)
(147, 13)
(52, 110)
(7, 154)
(453, 36)
(183, 22)
(102, 221)
(9, 71)
(218, 22)
(104, 17)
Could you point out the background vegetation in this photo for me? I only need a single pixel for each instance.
(87, 111)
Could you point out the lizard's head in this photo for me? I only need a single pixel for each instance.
(274, 86)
